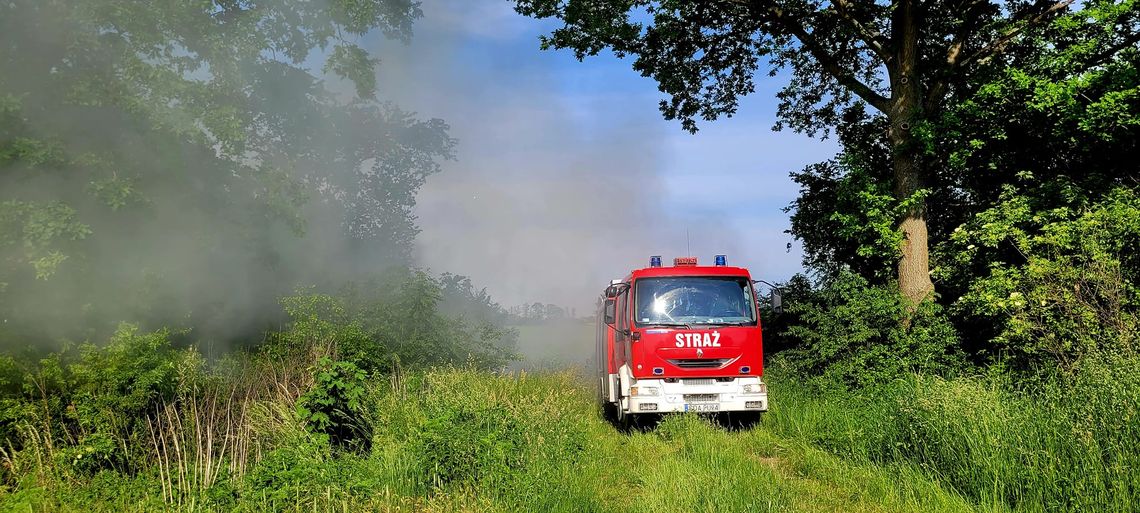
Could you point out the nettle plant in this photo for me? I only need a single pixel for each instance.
(333, 408)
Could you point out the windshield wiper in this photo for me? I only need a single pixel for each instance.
(670, 325)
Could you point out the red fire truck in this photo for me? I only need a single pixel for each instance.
(681, 338)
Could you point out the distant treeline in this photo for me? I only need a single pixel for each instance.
(538, 312)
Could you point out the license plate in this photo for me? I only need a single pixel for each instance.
(702, 407)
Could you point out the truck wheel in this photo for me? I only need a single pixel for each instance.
(609, 411)
(624, 420)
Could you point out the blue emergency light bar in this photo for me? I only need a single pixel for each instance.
(721, 260)
(655, 261)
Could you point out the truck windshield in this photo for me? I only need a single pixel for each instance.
(689, 300)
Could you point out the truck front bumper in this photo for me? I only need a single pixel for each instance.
(697, 395)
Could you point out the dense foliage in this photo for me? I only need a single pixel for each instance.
(1061, 284)
(1034, 257)
(848, 334)
(198, 159)
(124, 406)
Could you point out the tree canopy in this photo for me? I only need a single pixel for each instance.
(906, 61)
(198, 157)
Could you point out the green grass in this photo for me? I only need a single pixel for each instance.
(460, 440)
(467, 440)
(1066, 445)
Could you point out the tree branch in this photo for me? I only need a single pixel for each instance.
(954, 55)
(826, 60)
(873, 38)
(1109, 52)
(1032, 16)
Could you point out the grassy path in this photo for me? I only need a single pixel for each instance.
(685, 463)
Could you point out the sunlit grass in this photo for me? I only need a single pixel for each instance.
(1065, 446)
(463, 440)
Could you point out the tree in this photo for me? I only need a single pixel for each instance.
(199, 156)
(1034, 169)
(903, 59)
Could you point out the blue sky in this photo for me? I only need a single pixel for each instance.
(566, 173)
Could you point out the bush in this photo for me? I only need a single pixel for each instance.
(297, 466)
(1062, 283)
(335, 407)
(468, 442)
(391, 321)
(458, 429)
(124, 381)
(854, 335)
(88, 409)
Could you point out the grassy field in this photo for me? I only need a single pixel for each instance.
(460, 440)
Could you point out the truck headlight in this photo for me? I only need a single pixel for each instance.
(643, 391)
(760, 388)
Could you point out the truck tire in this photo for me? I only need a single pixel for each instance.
(609, 412)
(624, 421)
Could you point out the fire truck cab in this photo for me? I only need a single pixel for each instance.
(679, 339)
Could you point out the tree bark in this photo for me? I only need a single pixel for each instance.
(914, 260)
(906, 111)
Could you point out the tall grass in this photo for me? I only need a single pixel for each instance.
(467, 440)
(1065, 444)
(460, 439)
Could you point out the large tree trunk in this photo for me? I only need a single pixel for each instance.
(906, 110)
(914, 261)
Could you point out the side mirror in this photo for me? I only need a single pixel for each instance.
(777, 300)
(610, 312)
(616, 289)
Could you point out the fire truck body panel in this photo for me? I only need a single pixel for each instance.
(684, 338)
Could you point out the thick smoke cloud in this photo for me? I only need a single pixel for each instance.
(179, 168)
(559, 182)
(556, 189)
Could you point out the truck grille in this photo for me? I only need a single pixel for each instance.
(698, 381)
(701, 398)
(700, 363)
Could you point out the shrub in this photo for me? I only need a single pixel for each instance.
(468, 442)
(94, 452)
(460, 429)
(394, 318)
(1062, 283)
(401, 313)
(335, 407)
(87, 410)
(320, 324)
(129, 377)
(854, 335)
